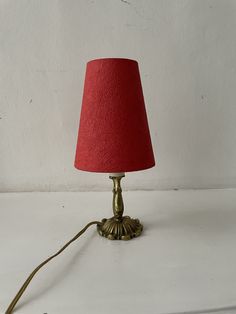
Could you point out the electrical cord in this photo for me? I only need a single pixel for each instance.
(28, 280)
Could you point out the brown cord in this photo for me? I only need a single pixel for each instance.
(28, 280)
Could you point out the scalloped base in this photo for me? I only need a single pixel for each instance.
(124, 229)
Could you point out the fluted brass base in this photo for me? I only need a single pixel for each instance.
(125, 228)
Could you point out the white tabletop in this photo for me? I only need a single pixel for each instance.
(185, 260)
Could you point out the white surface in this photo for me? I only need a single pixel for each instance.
(186, 50)
(185, 260)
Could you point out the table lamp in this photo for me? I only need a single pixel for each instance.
(113, 134)
(113, 138)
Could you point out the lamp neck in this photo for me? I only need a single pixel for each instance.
(118, 205)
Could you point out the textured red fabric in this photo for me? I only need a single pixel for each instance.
(113, 133)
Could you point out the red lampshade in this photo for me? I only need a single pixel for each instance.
(113, 133)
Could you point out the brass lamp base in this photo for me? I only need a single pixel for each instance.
(119, 227)
(124, 229)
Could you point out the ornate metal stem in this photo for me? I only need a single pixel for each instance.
(119, 227)
(118, 205)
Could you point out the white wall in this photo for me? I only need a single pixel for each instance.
(187, 55)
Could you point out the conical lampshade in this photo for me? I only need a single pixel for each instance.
(113, 132)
